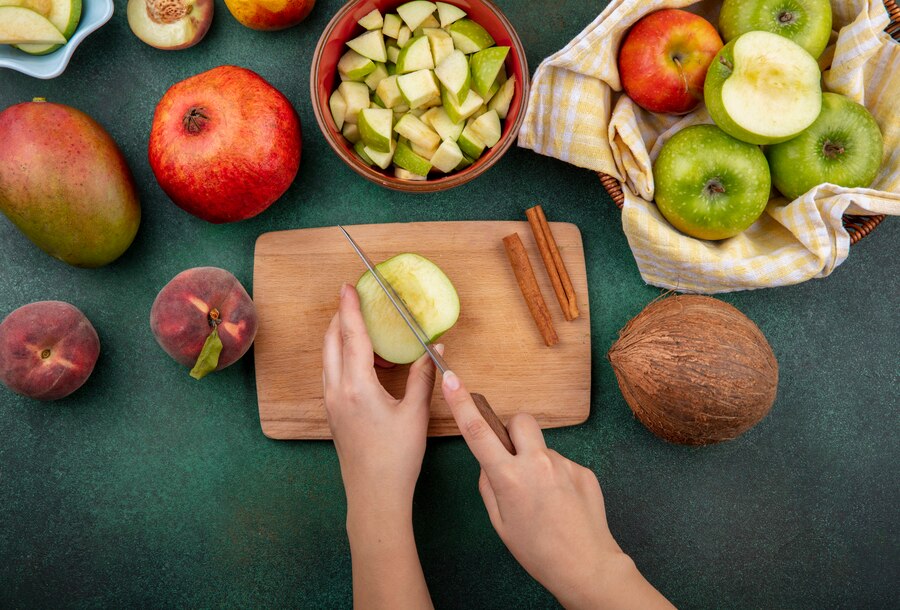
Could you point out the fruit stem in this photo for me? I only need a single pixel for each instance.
(677, 61)
(213, 317)
(45, 354)
(713, 187)
(726, 63)
(786, 17)
(832, 150)
(194, 120)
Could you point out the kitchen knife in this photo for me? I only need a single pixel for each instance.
(480, 401)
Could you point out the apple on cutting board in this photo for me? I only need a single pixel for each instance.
(664, 59)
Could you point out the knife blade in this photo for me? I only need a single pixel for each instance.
(484, 407)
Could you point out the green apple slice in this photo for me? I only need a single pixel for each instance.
(763, 88)
(470, 144)
(414, 13)
(360, 149)
(351, 132)
(375, 128)
(486, 65)
(355, 67)
(403, 174)
(389, 92)
(487, 128)
(65, 16)
(371, 45)
(392, 25)
(416, 55)
(469, 37)
(501, 100)
(393, 54)
(454, 74)
(372, 20)
(426, 291)
(381, 159)
(430, 23)
(417, 132)
(460, 112)
(449, 13)
(404, 36)
(338, 107)
(418, 87)
(440, 121)
(23, 26)
(376, 76)
(356, 95)
(41, 7)
(441, 43)
(447, 157)
(406, 158)
(425, 153)
(466, 162)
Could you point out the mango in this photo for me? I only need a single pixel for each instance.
(65, 184)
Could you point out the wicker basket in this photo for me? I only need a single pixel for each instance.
(857, 226)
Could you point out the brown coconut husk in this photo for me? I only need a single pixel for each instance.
(695, 370)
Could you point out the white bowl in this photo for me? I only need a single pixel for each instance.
(94, 13)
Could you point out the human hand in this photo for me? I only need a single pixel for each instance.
(549, 512)
(380, 440)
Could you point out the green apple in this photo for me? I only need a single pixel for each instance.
(806, 22)
(447, 157)
(417, 132)
(355, 67)
(415, 55)
(486, 65)
(356, 97)
(418, 87)
(763, 88)
(844, 146)
(469, 37)
(502, 99)
(454, 74)
(470, 144)
(65, 16)
(375, 128)
(441, 43)
(710, 185)
(338, 107)
(20, 25)
(392, 25)
(372, 20)
(415, 12)
(388, 91)
(460, 112)
(427, 292)
(486, 127)
(440, 121)
(449, 13)
(407, 158)
(370, 45)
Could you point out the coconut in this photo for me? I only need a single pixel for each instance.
(695, 370)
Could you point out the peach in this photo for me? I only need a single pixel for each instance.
(48, 350)
(270, 14)
(196, 302)
(170, 24)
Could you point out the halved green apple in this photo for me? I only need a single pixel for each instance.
(762, 88)
(427, 292)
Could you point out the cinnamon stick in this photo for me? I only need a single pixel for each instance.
(562, 284)
(521, 265)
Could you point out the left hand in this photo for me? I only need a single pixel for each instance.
(380, 440)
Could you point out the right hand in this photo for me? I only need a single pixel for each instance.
(548, 511)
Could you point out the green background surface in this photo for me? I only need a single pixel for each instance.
(149, 488)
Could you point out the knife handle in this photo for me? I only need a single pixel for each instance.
(484, 407)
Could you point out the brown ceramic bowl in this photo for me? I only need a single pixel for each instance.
(324, 79)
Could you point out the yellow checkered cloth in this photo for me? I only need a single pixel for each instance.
(576, 113)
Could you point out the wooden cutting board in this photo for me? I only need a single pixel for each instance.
(494, 347)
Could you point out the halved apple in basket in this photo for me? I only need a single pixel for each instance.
(428, 293)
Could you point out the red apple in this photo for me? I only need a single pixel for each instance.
(47, 350)
(664, 58)
(269, 14)
(194, 305)
(224, 144)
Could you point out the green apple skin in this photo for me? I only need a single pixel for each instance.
(710, 185)
(719, 71)
(806, 22)
(844, 146)
(66, 27)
